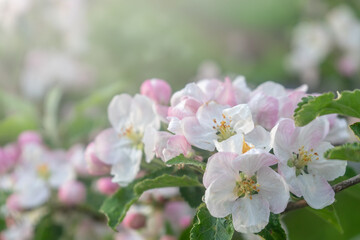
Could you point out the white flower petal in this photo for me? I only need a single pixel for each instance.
(125, 170)
(143, 113)
(241, 118)
(209, 112)
(290, 178)
(273, 188)
(233, 144)
(250, 215)
(109, 146)
(150, 138)
(259, 137)
(253, 160)
(220, 197)
(118, 111)
(198, 135)
(219, 165)
(313, 133)
(316, 190)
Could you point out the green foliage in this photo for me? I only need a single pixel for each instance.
(348, 151)
(192, 195)
(356, 129)
(116, 206)
(274, 230)
(347, 103)
(51, 115)
(47, 229)
(2, 223)
(13, 125)
(329, 215)
(187, 161)
(207, 227)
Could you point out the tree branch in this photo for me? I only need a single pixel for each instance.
(337, 188)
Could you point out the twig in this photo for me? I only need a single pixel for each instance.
(337, 188)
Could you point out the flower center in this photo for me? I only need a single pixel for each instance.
(246, 186)
(134, 136)
(43, 171)
(224, 130)
(301, 159)
(246, 147)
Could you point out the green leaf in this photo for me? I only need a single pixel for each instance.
(192, 195)
(185, 235)
(116, 206)
(13, 125)
(187, 161)
(52, 104)
(356, 129)
(347, 103)
(329, 215)
(274, 230)
(47, 229)
(2, 223)
(348, 151)
(208, 227)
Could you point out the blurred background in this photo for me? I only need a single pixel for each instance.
(61, 61)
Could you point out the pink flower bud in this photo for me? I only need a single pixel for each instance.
(12, 203)
(185, 221)
(94, 165)
(12, 152)
(72, 192)
(134, 220)
(106, 186)
(168, 237)
(157, 90)
(29, 137)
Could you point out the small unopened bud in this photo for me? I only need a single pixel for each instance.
(106, 186)
(94, 165)
(72, 193)
(12, 203)
(157, 90)
(29, 137)
(134, 220)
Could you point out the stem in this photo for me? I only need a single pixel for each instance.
(337, 188)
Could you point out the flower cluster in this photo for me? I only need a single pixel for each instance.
(255, 155)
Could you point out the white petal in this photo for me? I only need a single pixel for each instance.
(253, 160)
(259, 137)
(273, 188)
(241, 118)
(175, 125)
(283, 137)
(316, 190)
(220, 197)
(109, 146)
(118, 111)
(313, 133)
(150, 138)
(290, 178)
(339, 132)
(198, 135)
(271, 89)
(218, 166)
(209, 112)
(191, 90)
(143, 113)
(250, 215)
(233, 144)
(125, 170)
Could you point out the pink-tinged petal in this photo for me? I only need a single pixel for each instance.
(289, 175)
(162, 112)
(143, 113)
(29, 137)
(219, 165)
(283, 137)
(265, 110)
(210, 88)
(109, 146)
(72, 193)
(242, 92)
(289, 103)
(150, 139)
(187, 107)
(220, 196)
(234, 144)
(241, 118)
(253, 160)
(198, 135)
(118, 111)
(95, 166)
(339, 131)
(157, 90)
(176, 145)
(250, 215)
(209, 112)
(106, 186)
(191, 90)
(316, 190)
(313, 133)
(260, 138)
(273, 188)
(175, 125)
(125, 170)
(226, 94)
(271, 89)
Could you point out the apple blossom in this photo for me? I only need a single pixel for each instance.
(300, 151)
(94, 165)
(246, 187)
(106, 186)
(72, 192)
